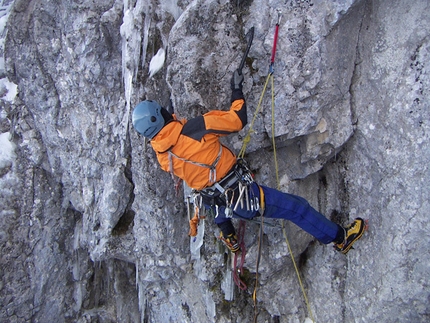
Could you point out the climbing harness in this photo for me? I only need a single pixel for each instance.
(238, 177)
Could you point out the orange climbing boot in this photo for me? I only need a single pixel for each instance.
(230, 242)
(353, 232)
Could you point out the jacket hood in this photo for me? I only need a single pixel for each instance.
(167, 137)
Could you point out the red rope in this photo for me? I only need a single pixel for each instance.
(238, 270)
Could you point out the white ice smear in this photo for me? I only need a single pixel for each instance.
(157, 62)
(171, 6)
(8, 90)
(132, 38)
(4, 15)
(7, 150)
(227, 285)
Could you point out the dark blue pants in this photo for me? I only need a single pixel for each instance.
(289, 207)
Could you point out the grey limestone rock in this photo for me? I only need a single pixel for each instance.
(93, 231)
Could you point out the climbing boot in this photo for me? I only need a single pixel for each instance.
(230, 242)
(353, 232)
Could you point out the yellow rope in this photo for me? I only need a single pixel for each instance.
(297, 272)
(279, 186)
(246, 140)
(260, 244)
(241, 154)
(273, 135)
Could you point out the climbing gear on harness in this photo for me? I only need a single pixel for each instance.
(212, 168)
(249, 36)
(147, 118)
(199, 213)
(240, 174)
(228, 202)
(353, 232)
(230, 242)
(194, 223)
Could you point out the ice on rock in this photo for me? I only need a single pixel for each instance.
(157, 62)
(227, 285)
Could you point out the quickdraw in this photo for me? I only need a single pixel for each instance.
(228, 203)
(199, 213)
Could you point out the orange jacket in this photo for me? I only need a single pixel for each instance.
(185, 144)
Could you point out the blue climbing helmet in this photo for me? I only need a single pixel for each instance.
(147, 118)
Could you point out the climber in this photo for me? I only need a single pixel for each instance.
(191, 150)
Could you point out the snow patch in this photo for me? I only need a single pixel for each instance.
(157, 62)
(171, 6)
(7, 150)
(8, 90)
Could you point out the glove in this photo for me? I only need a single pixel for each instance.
(236, 81)
(230, 242)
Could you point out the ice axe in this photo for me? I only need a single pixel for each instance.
(249, 36)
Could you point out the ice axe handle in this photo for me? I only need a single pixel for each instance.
(250, 36)
(275, 40)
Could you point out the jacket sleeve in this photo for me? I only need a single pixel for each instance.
(219, 122)
(226, 122)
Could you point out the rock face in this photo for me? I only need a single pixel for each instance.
(93, 231)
